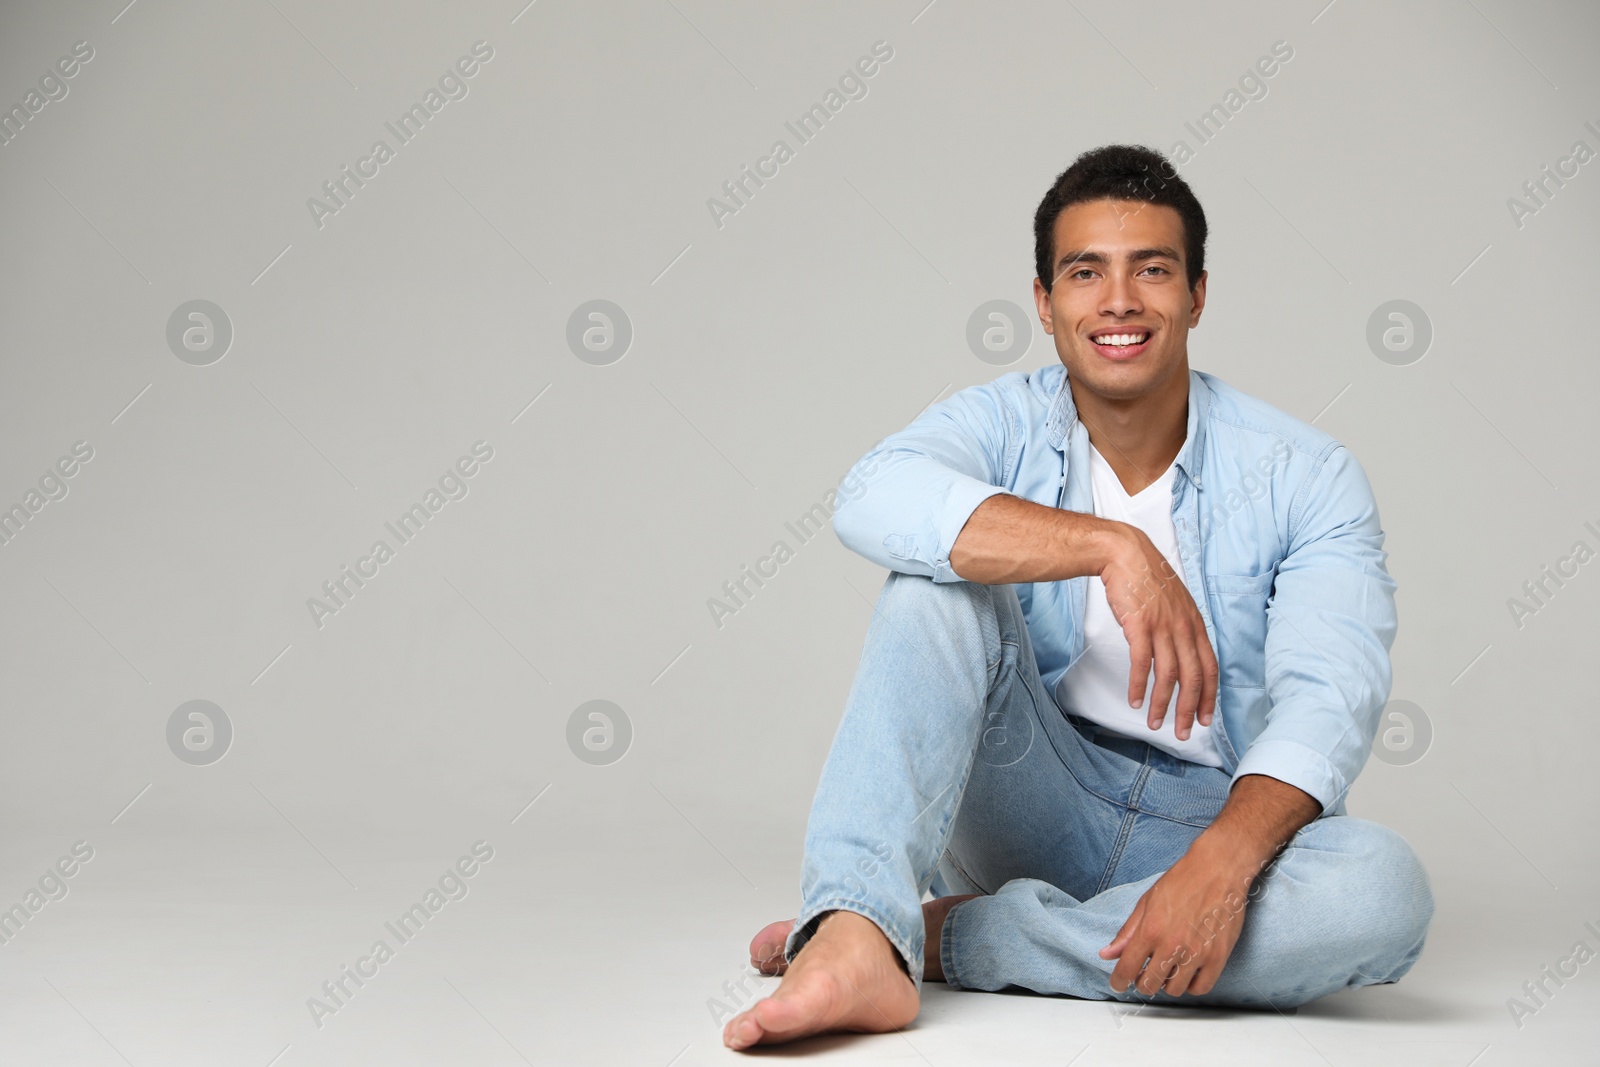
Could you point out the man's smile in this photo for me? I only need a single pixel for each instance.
(1121, 342)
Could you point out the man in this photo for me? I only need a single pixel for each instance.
(1129, 660)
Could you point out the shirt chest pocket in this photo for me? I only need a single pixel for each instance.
(1239, 613)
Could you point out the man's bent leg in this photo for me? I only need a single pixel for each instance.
(1346, 904)
(929, 689)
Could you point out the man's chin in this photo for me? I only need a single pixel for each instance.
(1115, 381)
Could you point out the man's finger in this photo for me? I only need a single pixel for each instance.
(1205, 979)
(1188, 685)
(1154, 974)
(1182, 977)
(1128, 968)
(1139, 654)
(1132, 953)
(1166, 678)
(1120, 942)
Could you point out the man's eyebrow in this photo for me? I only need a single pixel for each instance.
(1136, 256)
(1079, 256)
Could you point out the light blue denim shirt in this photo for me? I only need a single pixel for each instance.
(1277, 528)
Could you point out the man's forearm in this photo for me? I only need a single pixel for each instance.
(1260, 816)
(1008, 539)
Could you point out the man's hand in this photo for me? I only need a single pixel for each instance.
(1185, 925)
(1161, 622)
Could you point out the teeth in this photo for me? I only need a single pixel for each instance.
(1122, 339)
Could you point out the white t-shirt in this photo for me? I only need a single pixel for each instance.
(1096, 686)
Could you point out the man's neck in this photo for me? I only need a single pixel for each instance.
(1139, 438)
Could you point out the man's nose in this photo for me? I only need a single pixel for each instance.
(1120, 296)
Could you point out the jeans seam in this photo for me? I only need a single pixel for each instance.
(1124, 832)
(988, 610)
(954, 862)
(1164, 817)
(994, 671)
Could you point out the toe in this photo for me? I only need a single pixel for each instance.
(766, 948)
(742, 1032)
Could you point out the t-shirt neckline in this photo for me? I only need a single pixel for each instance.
(1126, 495)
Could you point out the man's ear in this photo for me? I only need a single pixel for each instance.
(1198, 295)
(1041, 298)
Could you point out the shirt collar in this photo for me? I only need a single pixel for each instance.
(1064, 415)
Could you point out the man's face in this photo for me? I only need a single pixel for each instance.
(1120, 277)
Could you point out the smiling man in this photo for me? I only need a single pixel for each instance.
(1128, 661)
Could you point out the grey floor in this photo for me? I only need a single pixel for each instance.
(204, 949)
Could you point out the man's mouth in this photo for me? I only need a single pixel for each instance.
(1120, 344)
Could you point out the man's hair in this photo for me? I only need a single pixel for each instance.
(1119, 172)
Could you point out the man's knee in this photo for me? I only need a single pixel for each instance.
(1380, 893)
(901, 585)
(959, 626)
(1350, 900)
(961, 604)
(1402, 888)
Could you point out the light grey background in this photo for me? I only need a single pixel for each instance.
(768, 354)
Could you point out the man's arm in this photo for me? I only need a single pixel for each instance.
(1008, 539)
(902, 504)
(1260, 816)
(931, 497)
(1331, 623)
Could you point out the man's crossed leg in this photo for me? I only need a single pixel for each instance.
(952, 761)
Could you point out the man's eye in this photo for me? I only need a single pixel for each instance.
(1082, 272)
(1163, 270)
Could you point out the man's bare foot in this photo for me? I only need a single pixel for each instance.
(851, 979)
(847, 977)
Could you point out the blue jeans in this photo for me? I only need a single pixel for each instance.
(953, 770)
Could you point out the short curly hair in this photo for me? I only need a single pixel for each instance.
(1120, 172)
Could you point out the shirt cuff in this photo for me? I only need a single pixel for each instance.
(1295, 764)
(964, 498)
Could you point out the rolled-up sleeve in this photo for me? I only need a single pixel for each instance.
(1331, 621)
(903, 504)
